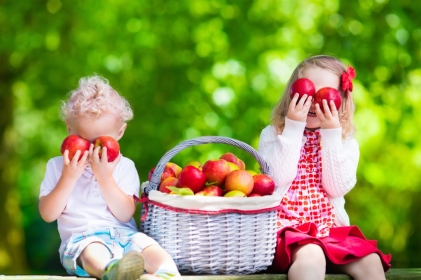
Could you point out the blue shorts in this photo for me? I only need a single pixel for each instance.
(118, 241)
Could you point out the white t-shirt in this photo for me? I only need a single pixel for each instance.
(86, 208)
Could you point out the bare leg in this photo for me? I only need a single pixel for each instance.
(369, 267)
(308, 262)
(94, 258)
(156, 257)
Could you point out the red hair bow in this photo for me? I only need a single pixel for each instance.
(347, 77)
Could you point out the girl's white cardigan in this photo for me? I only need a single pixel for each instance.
(339, 161)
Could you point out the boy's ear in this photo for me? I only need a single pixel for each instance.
(68, 128)
(121, 131)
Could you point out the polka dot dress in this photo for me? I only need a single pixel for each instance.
(306, 200)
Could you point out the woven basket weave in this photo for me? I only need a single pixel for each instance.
(230, 241)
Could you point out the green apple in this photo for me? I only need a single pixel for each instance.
(235, 193)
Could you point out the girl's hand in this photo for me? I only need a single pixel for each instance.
(100, 166)
(298, 111)
(73, 168)
(330, 118)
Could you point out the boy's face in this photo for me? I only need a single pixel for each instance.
(91, 128)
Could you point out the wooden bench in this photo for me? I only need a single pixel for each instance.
(392, 274)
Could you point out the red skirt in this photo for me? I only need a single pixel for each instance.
(343, 245)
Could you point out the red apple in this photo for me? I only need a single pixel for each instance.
(302, 86)
(192, 178)
(168, 182)
(73, 143)
(175, 167)
(240, 180)
(216, 171)
(210, 191)
(113, 148)
(230, 157)
(263, 184)
(328, 93)
(168, 172)
(254, 195)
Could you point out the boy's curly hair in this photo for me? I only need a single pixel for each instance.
(94, 97)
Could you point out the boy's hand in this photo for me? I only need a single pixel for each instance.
(100, 166)
(298, 111)
(330, 118)
(73, 168)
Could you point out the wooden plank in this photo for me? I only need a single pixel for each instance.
(257, 277)
(41, 277)
(393, 274)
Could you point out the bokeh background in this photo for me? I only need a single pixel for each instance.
(191, 68)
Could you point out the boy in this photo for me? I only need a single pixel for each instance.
(92, 199)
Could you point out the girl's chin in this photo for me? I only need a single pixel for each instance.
(312, 128)
(312, 124)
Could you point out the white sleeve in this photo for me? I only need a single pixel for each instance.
(127, 177)
(339, 162)
(282, 152)
(52, 175)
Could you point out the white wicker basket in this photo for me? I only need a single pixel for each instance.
(228, 241)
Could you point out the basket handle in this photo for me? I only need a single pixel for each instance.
(156, 177)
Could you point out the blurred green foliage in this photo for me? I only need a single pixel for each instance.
(208, 67)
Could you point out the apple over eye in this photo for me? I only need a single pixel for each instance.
(329, 94)
(73, 143)
(113, 148)
(302, 86)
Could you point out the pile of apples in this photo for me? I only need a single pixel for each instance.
(226, 176)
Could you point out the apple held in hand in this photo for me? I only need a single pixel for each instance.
(113, 148)
(302, 86)
(192, 178)
(230, 157)
(168, 182)
(216, 171)
(263, 185)
(239, 180)
(328, 93)
(168, 172)
(210, 191)
(73, 143)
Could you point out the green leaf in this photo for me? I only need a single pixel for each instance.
(181, 191)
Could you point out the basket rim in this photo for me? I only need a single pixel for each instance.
(210, 212)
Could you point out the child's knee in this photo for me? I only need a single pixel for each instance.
(371, 262)
(309, 255)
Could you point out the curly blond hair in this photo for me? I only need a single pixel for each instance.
(346, 111)
(94, 97)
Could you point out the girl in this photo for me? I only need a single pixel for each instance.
(314, 232)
